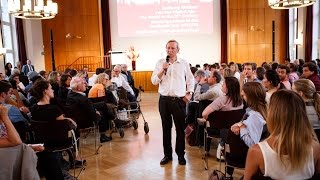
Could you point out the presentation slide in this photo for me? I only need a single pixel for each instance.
(147, 25)
(159, 17)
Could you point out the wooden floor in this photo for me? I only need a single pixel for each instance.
(137, 155)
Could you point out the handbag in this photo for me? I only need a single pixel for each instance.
(189, 129)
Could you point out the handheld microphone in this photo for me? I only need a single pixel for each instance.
(167, 60)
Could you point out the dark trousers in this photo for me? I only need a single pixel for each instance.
(49, 165)
(172, 108)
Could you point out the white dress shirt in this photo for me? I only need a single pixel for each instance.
(177, 81)
(121, 82)
(92, 80)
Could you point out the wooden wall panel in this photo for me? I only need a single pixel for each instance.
(250, 31)
(79, 18)
(143, 79)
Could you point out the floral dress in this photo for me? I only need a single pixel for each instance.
(3, 131)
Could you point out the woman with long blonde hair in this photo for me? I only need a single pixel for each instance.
(291, 151)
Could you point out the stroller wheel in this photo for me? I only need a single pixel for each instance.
(121, 132)
(135, 123)
(146, 127)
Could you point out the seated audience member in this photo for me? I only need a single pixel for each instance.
(8, 69)
(2, 77)
(18, 160)
(251, 128)
(54, 80)
(64, 86)
(43, 110)
(15, 114)
(310, 71)
(77, 97)
(85, 70)
(291, 151)
(227, 72)
(31, 76)
(129, 78)
(271, 82)
(248, 74)
(43, 74)
(73, 72)
(20, 86)
(49, 162)
(294, 74)
(283, 72)
(121, 82)
(306, 89)
(234, 68)
(93, 78)
(16, 96)
(260, 73)
(98, 89)
(200, 75)
(274, 66)
(22, 78)
(214, 90)
(8, 136)
(228, 102)
(193, 105)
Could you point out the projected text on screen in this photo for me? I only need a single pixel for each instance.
(159, 17)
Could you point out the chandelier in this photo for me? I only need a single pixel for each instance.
(33, 9)
(286, 4)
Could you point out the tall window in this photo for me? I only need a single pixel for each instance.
(6, 29)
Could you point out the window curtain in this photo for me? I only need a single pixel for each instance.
(21, 43)
(308, 34)
(106, 29)
(286, 28)
(224, 31)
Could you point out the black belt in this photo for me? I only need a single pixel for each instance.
(172, 98)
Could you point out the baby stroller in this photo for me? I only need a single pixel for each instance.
(126, 111)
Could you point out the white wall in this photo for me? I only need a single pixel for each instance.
(196, 49)
(34, 43)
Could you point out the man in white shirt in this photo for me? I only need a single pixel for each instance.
(118, 79)
(93, 78)
(176, 85)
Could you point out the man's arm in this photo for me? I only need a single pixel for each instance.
(206, 96)
(189, 79)
(23, 69)
(126, 85)
(158, 72)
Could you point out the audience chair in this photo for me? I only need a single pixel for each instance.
(235, 153)
(85, 125)
(217, 121)
(57, 136)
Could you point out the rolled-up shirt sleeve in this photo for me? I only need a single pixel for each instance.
(251, 133)
(155, 80)
(189, 79)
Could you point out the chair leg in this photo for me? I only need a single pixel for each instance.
(205, 157)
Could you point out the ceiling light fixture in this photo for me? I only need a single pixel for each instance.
(287, 4)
